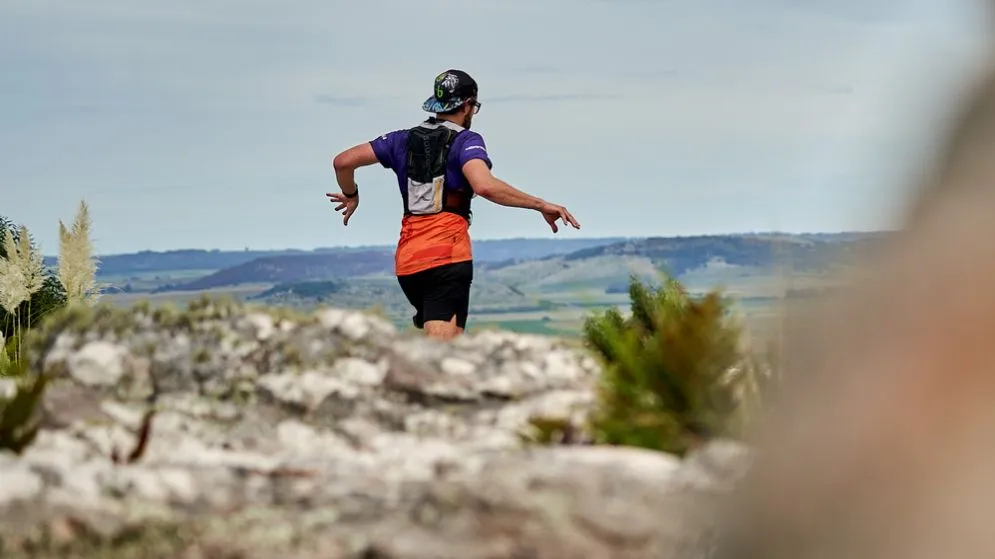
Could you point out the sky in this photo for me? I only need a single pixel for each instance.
(213, 123)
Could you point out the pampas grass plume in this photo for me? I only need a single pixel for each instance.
(77, 267)
(14, 272)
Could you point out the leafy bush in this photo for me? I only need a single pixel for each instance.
(674, 374)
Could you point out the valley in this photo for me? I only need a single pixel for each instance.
(525, 285)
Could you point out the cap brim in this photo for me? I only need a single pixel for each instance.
(433, 105)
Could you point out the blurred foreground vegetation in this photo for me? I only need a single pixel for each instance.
(676, 373)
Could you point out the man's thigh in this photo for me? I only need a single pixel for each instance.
(413, 287)
(446, 293)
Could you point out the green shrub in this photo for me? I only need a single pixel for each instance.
(674, 374)
(6, 365)
(552, 430)
(18, 425)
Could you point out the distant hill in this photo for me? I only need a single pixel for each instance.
(582, 263)
(698, 261)
(148, 262)
(317, 290)
(682, 254)
(175, 260)
(531, 249)
(293, 268)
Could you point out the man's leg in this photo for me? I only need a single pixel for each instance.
(441, 329)
(447, 300)
(463, 306)
(413, 288)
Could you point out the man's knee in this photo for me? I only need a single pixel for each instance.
(442, 329)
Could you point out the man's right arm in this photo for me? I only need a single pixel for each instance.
(478, 174)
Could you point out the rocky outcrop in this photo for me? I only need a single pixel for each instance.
(224, 431)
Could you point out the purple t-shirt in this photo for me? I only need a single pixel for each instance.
(391, 150)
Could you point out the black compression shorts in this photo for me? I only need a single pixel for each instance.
(439, 293)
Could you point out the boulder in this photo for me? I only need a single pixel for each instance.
(231, 431)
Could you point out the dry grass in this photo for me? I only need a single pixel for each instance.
(14, 275)
(23, 274)
(77, 266)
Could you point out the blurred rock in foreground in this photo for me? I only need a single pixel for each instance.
(331, 436)
(882, 447)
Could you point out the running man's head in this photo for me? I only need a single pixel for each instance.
(454, 98)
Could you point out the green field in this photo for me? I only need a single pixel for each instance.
(146, 281)
(545, 309)
(181, 298)
(760, 314)
(521, 326)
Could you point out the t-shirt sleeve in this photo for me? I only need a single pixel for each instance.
(474, 148)
(383, 147)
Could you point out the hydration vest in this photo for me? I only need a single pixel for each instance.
(426, 192)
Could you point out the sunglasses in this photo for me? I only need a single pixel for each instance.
(476, 107)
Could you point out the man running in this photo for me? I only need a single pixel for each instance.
(440, 165)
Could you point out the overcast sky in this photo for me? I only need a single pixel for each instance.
(212, 123)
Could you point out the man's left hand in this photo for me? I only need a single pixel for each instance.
(553, 212)
(347, 204)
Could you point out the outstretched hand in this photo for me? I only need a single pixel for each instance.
(553, 212)
(347, 204)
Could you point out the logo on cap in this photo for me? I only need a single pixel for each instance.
(445, 81)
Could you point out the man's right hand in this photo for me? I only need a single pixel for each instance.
(553, 212)
(345, 203)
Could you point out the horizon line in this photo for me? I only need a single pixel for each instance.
(489, 240)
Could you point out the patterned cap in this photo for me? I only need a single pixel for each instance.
(452, 89)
